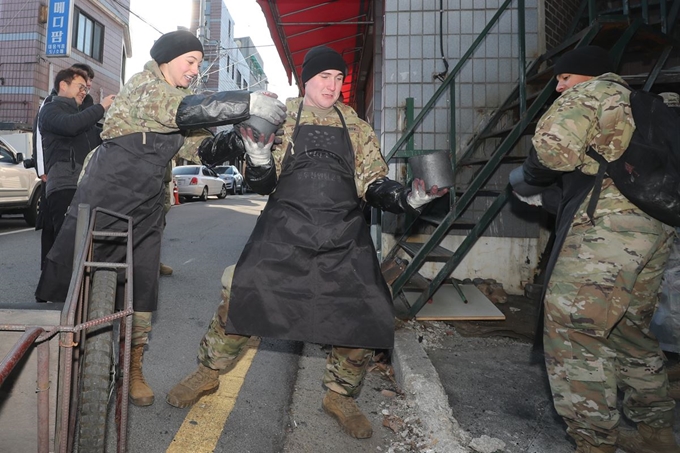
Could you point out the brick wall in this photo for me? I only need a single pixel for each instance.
(559, 15)
(24, 69)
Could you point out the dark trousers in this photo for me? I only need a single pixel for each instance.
(55, 207)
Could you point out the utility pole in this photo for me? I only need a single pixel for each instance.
(201, 33)
(202, 29)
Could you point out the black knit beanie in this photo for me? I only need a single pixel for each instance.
(587, 61)
(319, 59)
(172, 45)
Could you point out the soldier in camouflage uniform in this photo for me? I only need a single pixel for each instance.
(309, 271)
(606, 270)
(153, 118)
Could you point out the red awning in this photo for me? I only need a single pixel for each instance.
(298, 25)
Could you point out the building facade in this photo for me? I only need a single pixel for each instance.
(224, 66)
(258, 78)
(100, 39)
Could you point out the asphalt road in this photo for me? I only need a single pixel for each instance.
(273, 404)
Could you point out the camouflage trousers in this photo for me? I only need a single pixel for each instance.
(598, 308)
(345, 367)
(141, 327)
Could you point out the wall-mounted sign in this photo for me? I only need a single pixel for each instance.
(59, 28)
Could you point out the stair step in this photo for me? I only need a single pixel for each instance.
(460, 224)
(417, 282)
(460, 190)
(439, 254)
(530, 98)
(531, 127)
(664, 77)
(504, 160)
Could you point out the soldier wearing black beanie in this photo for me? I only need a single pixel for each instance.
(587, 61)
(322, 58)
(172, 45)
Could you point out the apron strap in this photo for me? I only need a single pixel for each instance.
(296, 131)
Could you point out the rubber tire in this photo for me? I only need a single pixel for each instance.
(31, 213)
(223, 192)
(97, 364)
(204, 194)
(233, 189)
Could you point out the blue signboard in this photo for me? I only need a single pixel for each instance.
(59, 27)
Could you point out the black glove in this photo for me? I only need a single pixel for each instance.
(223, 146)
(224, 107)
(388, 195)
(537, 174)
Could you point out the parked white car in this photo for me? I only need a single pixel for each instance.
(232, 177)
(198, 181)
(20, 188)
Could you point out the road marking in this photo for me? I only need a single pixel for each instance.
(17, 231)
(203, 425)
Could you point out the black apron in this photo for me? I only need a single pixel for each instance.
(309, 271)
(136, 189)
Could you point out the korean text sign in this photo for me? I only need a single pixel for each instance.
(59, 26)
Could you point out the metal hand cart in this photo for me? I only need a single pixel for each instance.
(91, 340)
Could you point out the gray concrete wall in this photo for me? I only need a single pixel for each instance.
(411, 56)
(410, 59)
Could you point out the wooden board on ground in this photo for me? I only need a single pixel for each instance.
(447, 305)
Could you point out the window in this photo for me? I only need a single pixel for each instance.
(5, 156)
(88, 35)
(238, 79)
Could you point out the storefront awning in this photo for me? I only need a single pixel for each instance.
(298, 25)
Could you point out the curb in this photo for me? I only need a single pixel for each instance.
(419, 380)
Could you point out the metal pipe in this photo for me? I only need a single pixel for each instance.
(122, 429)
(452, 138)
(663, 12)
(592, 11)
(522, 58)
(18, 351)
(43, 391)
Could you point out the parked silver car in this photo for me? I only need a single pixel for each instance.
(198, 181)
(232, 177)
(20, 188)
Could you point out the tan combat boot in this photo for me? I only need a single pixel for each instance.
(201, 382)
(165, 269)
(348, 414)
(648, 440)
(140, 392)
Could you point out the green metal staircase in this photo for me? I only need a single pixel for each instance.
(632, 32)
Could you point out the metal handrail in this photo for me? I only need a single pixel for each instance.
(448, 81)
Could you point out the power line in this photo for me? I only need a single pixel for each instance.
(137, 16)
(11, 21)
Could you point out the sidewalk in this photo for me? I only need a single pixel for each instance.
(479, 394)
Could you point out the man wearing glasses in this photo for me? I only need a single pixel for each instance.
(68, 134)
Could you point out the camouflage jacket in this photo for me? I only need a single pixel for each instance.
(594, 114)
(147, 103)
(369, 163)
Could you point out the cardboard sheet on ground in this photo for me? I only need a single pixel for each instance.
(447, 305)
